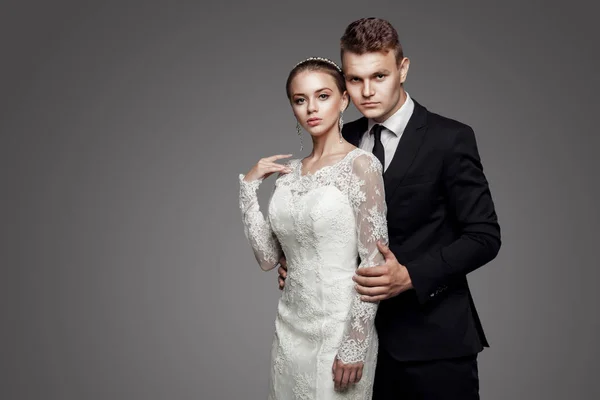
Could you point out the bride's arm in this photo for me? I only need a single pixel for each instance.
(368, 198)
(257, 228)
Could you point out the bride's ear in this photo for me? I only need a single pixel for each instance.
(345, 101)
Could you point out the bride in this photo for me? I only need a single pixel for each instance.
(326, 214)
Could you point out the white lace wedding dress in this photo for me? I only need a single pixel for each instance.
(322, 222)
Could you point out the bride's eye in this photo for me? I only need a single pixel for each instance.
(323, 96)
(299, 101)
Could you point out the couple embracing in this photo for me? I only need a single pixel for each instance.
(374, 233)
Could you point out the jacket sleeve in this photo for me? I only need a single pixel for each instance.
(470, 205)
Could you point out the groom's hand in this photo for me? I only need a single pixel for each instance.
(383, 281)
(282, 272)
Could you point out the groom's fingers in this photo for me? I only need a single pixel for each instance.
(371, 291)
(283, 262)
(371, 281)
(379, 270)
(385, 250)
(375, 299)
(282, 272)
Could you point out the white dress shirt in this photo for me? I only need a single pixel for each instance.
(392, 131)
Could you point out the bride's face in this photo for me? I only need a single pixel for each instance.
(317, 101)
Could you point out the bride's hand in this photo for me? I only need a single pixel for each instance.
(346, 374)
(267, 166)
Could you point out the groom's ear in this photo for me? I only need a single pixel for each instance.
(403, 69)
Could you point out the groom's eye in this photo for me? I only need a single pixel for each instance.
(380, 76)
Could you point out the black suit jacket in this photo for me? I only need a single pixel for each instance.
(442, 225)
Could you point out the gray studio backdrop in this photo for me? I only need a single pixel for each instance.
(125, 273)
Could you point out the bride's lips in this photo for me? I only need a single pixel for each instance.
(314, 121)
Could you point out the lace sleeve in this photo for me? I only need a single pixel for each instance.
(257, 228)
(368, 199)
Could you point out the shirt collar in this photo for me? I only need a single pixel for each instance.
(397, 122)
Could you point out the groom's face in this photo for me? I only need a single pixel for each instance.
(374, 82)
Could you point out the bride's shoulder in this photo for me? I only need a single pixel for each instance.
(364, 161)
(292, 161)
(291, 164)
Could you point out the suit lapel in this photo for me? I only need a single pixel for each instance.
(353, 131)
(407, 149)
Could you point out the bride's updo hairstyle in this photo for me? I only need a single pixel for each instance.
(317, 64)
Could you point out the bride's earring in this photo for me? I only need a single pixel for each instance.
(341, 123)
(299, 130)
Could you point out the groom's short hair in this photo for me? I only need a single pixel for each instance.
(371, 34)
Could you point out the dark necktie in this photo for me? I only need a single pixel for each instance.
(378, 149)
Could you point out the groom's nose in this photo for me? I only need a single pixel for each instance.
(367, 90)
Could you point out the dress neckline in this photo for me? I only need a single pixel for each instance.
(310, 174)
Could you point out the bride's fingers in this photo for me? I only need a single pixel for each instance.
(352, 378)
(339, 374)
(276, 167)
(359, 374)
(284, 167)
(346, 377)
(277, 157)
(270, 169)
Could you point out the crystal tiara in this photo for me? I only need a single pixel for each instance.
(327, 60)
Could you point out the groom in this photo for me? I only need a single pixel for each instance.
(441, 222)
